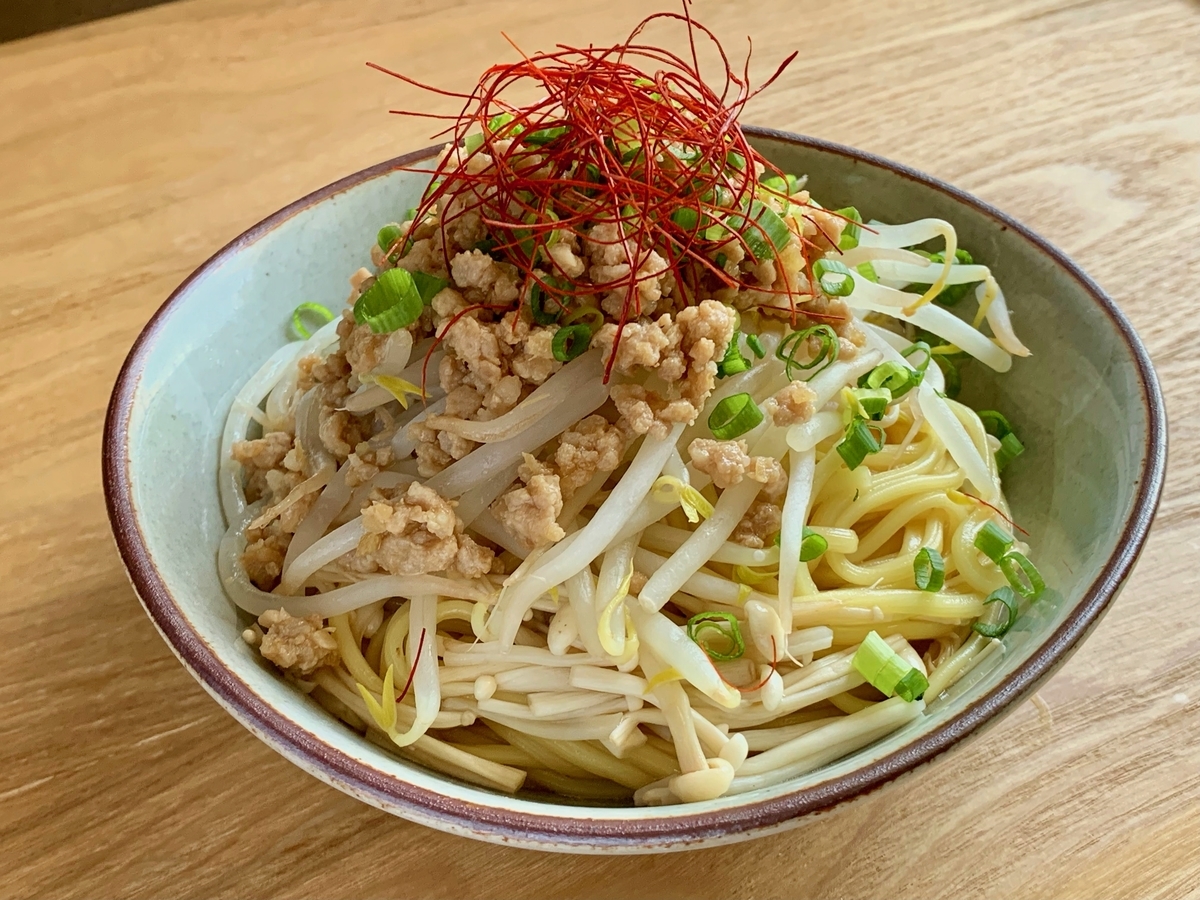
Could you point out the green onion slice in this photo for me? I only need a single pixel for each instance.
(929, 570)
(1023, 575)
(733, 361)
(544, 136)
(873, 401)
(392, 302)
(570, 341)
(388, 235)
(892, 376)
(993, 542)
(313, 310)
(794, 343)
(995, 423)
(858, 443)
(834, 277)
(919, 347)
(755, 345)
(586, 315)
(951, 374)
(767, 235)
(1006, 596)
(887, 671)
(472, 142)
(852, 229)
(1010, 448)
(726, 628)
(686, 218)
(867, 271)
(537, 306)
(429, 286)
(812, 545)
(734, 416)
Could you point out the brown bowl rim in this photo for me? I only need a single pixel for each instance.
(649, 832)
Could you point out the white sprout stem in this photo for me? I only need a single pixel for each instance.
(926, 272)
(592, 728)
(233, 495)
(486, 525)
(909, 235)
(422, 629)
(581, 594)
(331, 502)
(528, 679)
(337, 543)
(701, 584)
(673, 701)
(594, 678)
(805, 436)
(479, 498)
(674, 648)
(958, 443)
(660, 536)
(489, 460)
(997, 316)
(459, 654)
(791, 529)
(557, 389)
(614, 568)
(731, 506)
(946, 325)
(824, 745)
(832, 379)
(806, 641)
(557, 565)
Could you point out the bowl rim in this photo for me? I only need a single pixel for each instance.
(580, 832)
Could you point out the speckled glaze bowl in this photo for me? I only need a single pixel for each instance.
(1087, 402)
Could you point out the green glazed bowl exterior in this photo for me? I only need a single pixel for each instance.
(1087, 403)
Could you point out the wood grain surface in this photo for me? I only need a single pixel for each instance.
(132, 148)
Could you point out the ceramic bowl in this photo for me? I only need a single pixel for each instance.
(1087, 401)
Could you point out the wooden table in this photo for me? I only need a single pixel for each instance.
(134, 147)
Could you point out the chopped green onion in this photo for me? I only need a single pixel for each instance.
(544, 136)
(775, 183)
(472, 142)
(686, 218)
(812, 545)
(721, 259)
(918, 347)
(316, 311)
(887, 671)
(736, 160)
(733, 361)
(496, 123)
(1006, 596)
(858, 443)
(1023, 575)
(487, 245)
(570, 341)
(834, 277)
(867, 271)
(994, 423)
(873, 401)
(389, 234)
(895, 377)
(726, 626)
(428, 286)
(852, 229)
(766, 236)
(537, 306)
(992, 541)
(734, 416)
(952, 293)
(755, 345)
(929, 570)
(588, 315)
(1010, 448)
(392, 302)
(827, 351)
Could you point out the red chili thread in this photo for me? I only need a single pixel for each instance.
(643, 137)
(412, 672)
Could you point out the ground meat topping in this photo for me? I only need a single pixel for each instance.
(300, 646)
(411, 530)
(590, 446)
(724, 462)
(530, 513)
(759, 526)
(259, 457)
(791, 405)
